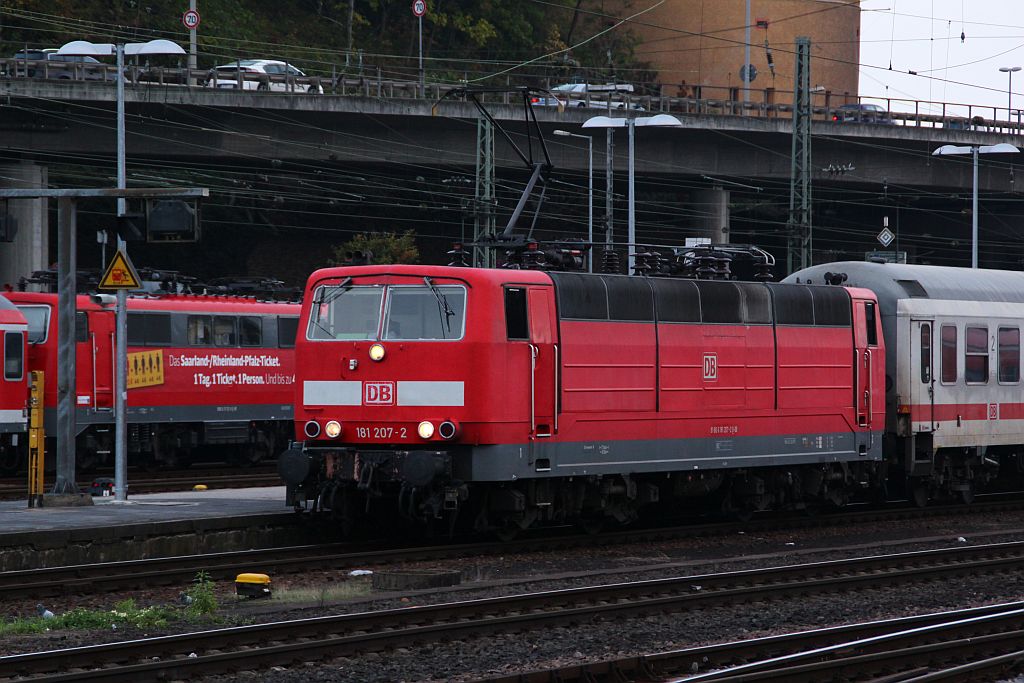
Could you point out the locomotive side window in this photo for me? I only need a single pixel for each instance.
(976, 355)
(1009, 354)
(949, 354)
(250, 330)
(516, 321)
(81, 327)
(926, 353)
(200, 330)
(14, 359)
(225, 330)
(38, 319)
(871, 322)
(287, 330)
(346, 312)
(423, 313)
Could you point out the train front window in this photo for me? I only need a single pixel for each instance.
(345, 312)
(38, 319)
(425, 312)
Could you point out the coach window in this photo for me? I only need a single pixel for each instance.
(250, 330)
(516, 325)
(200, 330)
(949, 354)
(926, 353)
(287, 330)
(976, 355)
(225, 330)
(1009, 355)
(14, 358)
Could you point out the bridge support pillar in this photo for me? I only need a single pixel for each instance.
(30, 249)
(712, 208)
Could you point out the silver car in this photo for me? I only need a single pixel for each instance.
(261, 74)
(587, 95)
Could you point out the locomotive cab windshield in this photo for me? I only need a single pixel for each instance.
(398, 312)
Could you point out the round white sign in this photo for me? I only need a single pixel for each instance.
(190, 19)
(419, 7)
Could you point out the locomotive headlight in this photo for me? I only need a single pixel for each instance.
(425, 429)
(377, 352)
(312, 429)
(447, 430)
(333, 429)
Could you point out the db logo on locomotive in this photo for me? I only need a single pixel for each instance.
(710, 366)
(379, 393)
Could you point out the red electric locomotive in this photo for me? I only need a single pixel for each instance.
(208, 377)
(13, 387)
(507, 398)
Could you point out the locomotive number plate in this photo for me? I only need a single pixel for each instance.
(381, 432)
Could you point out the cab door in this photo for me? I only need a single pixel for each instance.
(865, 341)
(544, 361)
(922, 375)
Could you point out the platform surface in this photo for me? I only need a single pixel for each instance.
(17, 518)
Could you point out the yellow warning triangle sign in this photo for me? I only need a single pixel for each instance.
(120, 274)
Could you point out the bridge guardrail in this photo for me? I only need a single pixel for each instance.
(693, 100)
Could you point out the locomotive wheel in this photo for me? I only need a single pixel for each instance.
(967, 494)
(592, 525)
(508, 531)
(919, 493)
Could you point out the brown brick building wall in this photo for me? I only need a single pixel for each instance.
(701, 43)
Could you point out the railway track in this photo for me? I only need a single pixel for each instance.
(950, 646)
(132, 574)
(15, 488)
(288, 642)
(178, 570)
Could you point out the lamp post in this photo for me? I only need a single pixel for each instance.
(974, 151)
(1009, 71)
(630, 124)
(590, 192)
(153, 47)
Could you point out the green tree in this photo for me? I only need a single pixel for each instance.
(384, 247)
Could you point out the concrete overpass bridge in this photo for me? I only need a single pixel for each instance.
(727, 166)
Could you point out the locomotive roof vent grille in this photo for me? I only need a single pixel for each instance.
(913, 289)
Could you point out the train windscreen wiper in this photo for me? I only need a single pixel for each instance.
(326, 299)
(443, 308)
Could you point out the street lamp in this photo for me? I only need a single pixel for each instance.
(974, 151)
(153, 47)
(1009, 70)
(630, 124)
(590, 192)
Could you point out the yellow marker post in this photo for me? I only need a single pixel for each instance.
(36, 440)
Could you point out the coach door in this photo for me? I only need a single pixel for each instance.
(922, 380)
(544, 352)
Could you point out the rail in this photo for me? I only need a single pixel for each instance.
(840, 108)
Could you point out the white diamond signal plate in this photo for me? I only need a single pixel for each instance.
(886, 237)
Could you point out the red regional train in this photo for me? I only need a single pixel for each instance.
(207, 376)
(505, 398)
(14, 386)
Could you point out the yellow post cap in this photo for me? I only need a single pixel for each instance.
(253, 578)
(199, 487)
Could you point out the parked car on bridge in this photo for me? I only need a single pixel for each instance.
(583, 95)
(862, 113)
(261, 74)
(60, 66)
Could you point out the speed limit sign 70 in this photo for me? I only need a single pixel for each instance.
(190, 19)
(419, 7)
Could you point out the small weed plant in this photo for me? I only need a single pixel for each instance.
(125, 614)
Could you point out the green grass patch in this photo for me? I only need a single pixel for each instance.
(124, 614)
(322, 595)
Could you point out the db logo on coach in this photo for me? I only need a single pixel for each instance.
(711, 366)
(379, 393)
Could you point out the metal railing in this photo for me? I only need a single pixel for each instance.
(766, 103)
